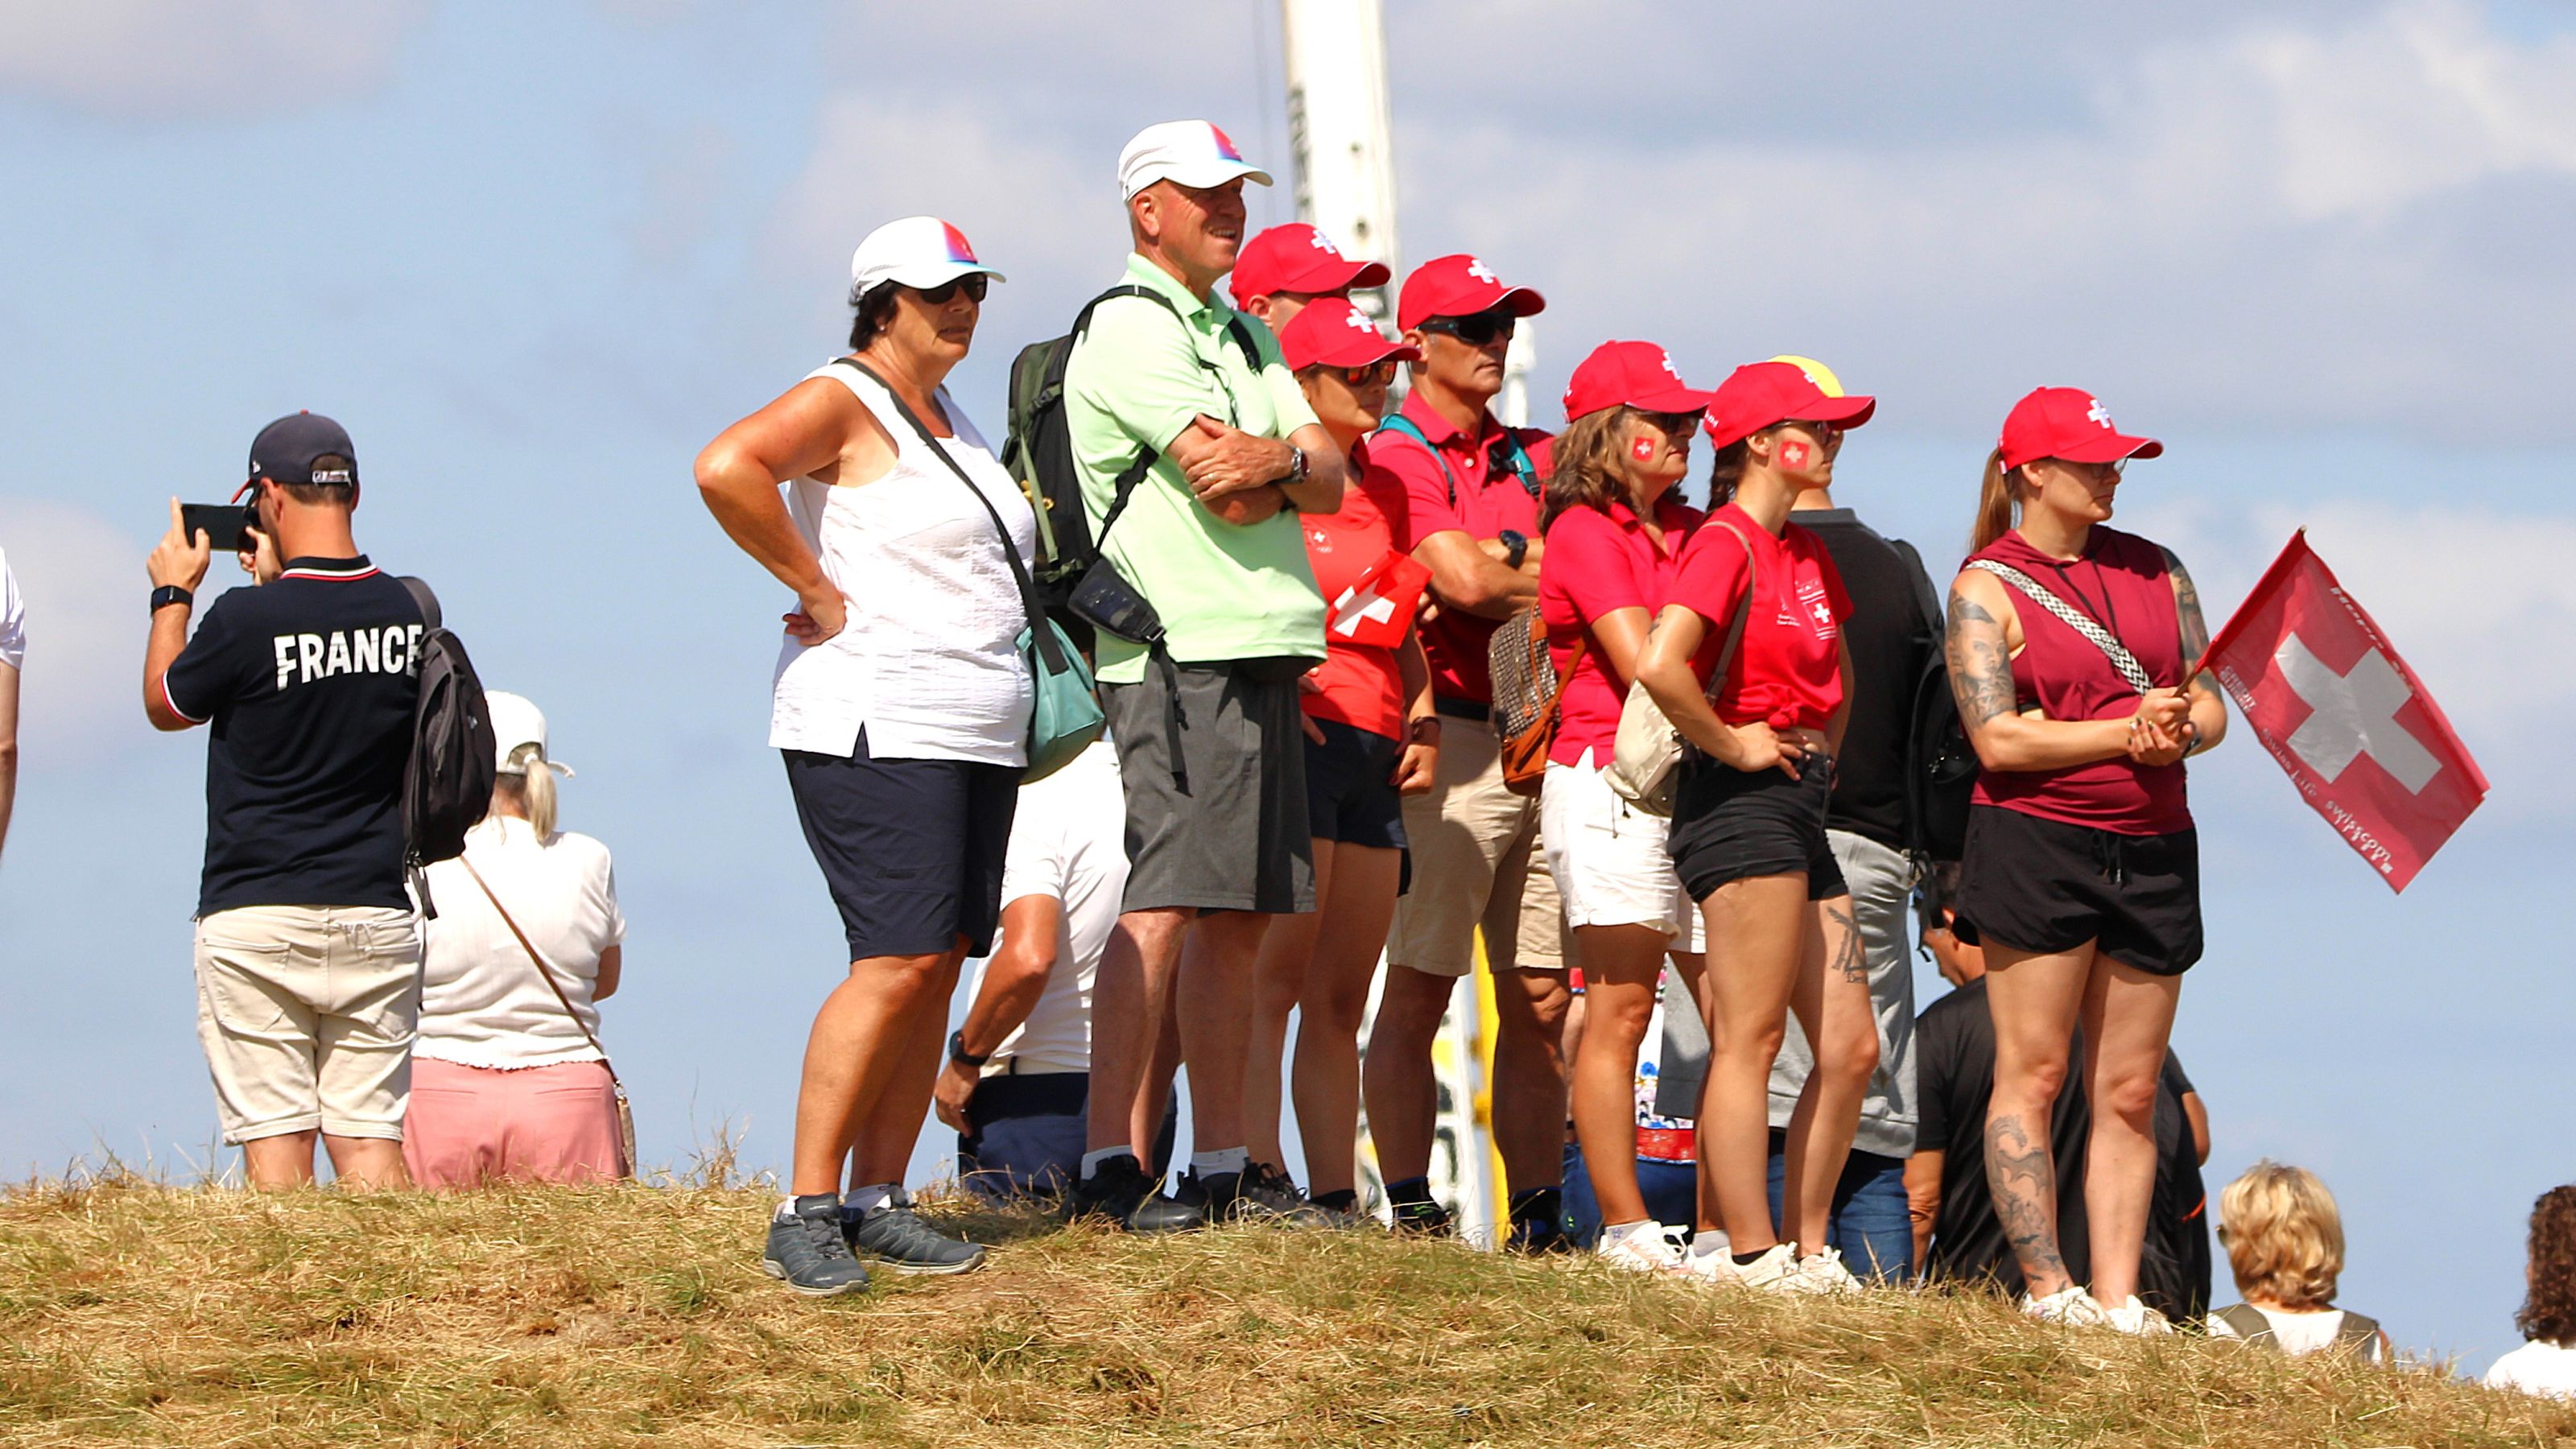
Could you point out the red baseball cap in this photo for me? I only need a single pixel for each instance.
(2068, 423)
(1758, 394)
(1459, 286)
(1639, 374)
(1298, 258)
(1331, 332)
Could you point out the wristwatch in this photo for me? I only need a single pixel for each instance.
(170, 594)
(1298, 467)
(957, 1050)
(1517, 544)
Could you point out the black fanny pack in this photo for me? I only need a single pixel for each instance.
(1104, 599)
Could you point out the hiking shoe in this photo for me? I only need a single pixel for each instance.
(895, 1235)
(1776, 1271)
(1646, 1247)
(806, 1251)
(1258, 1194)
(1422, 1220)
(1538, 1223)
(2136, 1317)
(1113, 1192)
(1186, 1210)
(1824, 1273)
(2070, 1305)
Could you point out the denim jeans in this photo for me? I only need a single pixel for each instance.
(1870, 1226)
(1671, 1190)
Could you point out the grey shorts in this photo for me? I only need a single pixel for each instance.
(1232, 836)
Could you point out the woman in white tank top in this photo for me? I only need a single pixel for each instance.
(901, 707)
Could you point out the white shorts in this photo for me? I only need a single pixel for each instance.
(1609, 859)
(307, 1015)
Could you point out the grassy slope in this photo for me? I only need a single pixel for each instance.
(136, 1314)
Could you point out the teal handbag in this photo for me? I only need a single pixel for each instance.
(1065, 717)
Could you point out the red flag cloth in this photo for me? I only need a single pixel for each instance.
(2353, 726)
(1376, 610)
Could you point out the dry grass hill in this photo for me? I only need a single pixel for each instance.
(133, 1313)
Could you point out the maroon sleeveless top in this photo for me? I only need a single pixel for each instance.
(2121, 582)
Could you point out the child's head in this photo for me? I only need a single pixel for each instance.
(2284, 1238)
(2549, 1313)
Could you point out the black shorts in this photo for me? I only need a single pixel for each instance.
(1350, 787)
(1731, 824)
(912, 849)
(2047, 886)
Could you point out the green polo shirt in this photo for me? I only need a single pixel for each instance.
(1135, 381)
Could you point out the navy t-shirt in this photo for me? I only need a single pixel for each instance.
(310, 682)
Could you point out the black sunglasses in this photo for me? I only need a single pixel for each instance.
(975, 285)
(1678, 426)
(1476, 329)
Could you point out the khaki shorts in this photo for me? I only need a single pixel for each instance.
(307, 1015)
(1476, 865)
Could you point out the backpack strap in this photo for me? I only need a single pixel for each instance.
(420, 594)
(2073, 618)
(2358, 1334)
(1515, 455)
(1123, 486)
(1403, 426)
(2248, 1322)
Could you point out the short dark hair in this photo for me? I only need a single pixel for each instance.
(875, 309)
(2549, 1314)
(342, 494)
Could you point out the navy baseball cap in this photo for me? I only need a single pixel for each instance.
(289, 449)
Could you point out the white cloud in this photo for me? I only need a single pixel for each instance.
(159, 59)
(81, 691)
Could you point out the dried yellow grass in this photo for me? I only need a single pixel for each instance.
(141, 1314)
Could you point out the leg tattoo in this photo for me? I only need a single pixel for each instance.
(2023, 1178)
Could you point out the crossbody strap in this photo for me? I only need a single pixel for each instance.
(2039, 593)
(543, 971)
(1743, 612)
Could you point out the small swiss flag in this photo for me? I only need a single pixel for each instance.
(2366, 745)
(1375, 611)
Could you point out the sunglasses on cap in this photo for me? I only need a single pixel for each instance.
(1476, 329)
(973, 284)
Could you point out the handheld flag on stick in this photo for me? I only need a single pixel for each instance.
(2351, 724)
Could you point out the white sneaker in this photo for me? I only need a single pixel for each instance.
(1646, 1247)
(1776, 1271)
(2136, 1317)
(1824, 1273)
(1707, 1261)
(2072, 1306)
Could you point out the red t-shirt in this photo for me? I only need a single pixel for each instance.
(1457, 641)
(1787, 669)
(1596, 563)
(1360, 684)
(2123, 583)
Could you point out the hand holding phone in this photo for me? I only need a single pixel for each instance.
(227, 526)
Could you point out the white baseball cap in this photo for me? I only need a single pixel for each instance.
(1193, 153)
(517, 721)
(918, 251)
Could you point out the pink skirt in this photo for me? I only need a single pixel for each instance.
(470, 1125)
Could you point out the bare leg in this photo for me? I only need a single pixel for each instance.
(1280, 973)
(1216, 1015)
(1529, 1076)
(280, 1161)
(1757, 930)
(1129, 996)
(1326, 1077)
(1403, 1094)
(2034, 1000)
(1154, 1097)
(889, 1126)
(2128, 1018)
(1833, 1005)
(859, 1037)
(365, 1163)
(1620, 967)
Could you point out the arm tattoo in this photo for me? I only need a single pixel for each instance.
(1980, 674)
(2023, 1178)
(2195, 628)
(1849, 957)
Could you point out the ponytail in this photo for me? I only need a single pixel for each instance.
(1994, 504)
(534, 781)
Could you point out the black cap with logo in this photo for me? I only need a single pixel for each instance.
(303, 448)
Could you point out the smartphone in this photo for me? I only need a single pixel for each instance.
(227, 526)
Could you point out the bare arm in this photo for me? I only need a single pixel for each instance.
(1664, 667)
(2196, 1112)
(177, 560)
(1980, 660)
(1923, 1200)
(1014, 979)
(1417, 767)
(1222, 463)
(8, 747)
(2208, 706)
(805, 432)
(1618, 637)
(1465, 577)
(612, 971)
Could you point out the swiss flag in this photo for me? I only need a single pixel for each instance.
(1376, 610)
(2353, 726)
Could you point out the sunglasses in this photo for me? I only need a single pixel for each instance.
(1476, 329)
(1678, 426)
(973, 284)
(1376, 374)
(1826, 434)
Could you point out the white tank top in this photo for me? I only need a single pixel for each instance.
(929, 662)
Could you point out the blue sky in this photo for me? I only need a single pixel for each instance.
(535, 255)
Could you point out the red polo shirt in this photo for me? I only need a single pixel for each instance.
(1484, 506)
(1596, 563)
(1358, 684)
(1786, 670)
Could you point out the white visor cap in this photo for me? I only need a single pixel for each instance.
(918, 251)
(517, 721)
(1193, 153)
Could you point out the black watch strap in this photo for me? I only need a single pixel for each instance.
(1518, 544)
(170, 594)
(957, 1050)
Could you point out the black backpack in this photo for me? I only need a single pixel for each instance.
(1039, 453)
(1940, 764)
(447, 785)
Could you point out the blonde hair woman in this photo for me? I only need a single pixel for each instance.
(2284, 1243)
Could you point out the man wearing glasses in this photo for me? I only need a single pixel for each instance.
(1472, 500)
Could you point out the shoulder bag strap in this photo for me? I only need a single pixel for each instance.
(1403, 426)
(542, 970)
(2038, 593)
(1743, 612)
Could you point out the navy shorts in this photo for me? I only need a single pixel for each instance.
(912, 849)
(1731, 824)
(2047, 886)
(1350, 787)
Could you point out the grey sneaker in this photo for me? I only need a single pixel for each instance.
(1259, 1194)
(806, 1252)
(894, 1235)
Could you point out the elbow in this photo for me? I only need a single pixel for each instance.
(718, 471)
(1327, 478)
(1031, 965)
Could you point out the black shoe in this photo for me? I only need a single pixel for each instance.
(1186, 1210)
(1111, 1192)
(1538, 1222)
(1262, 1193)
(1422, 1220)
(895, 1236)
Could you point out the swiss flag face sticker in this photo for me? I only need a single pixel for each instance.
(1642, 448)
(1794, 453)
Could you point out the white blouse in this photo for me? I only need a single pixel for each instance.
(929, 660)
(481, 1001)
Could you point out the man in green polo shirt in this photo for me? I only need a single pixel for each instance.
(1210, 741)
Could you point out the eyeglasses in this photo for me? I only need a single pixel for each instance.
(1376, 374)
(1476, 329)
(1674, 425)
(974, 284)
(1826, 434)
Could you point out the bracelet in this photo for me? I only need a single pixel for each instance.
(169, 594)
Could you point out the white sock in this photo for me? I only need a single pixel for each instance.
(786, 1208)
(871, 1197)
(1224, 1159)
(1620, 1232)
(1708, 1242)
(1091, 1160)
